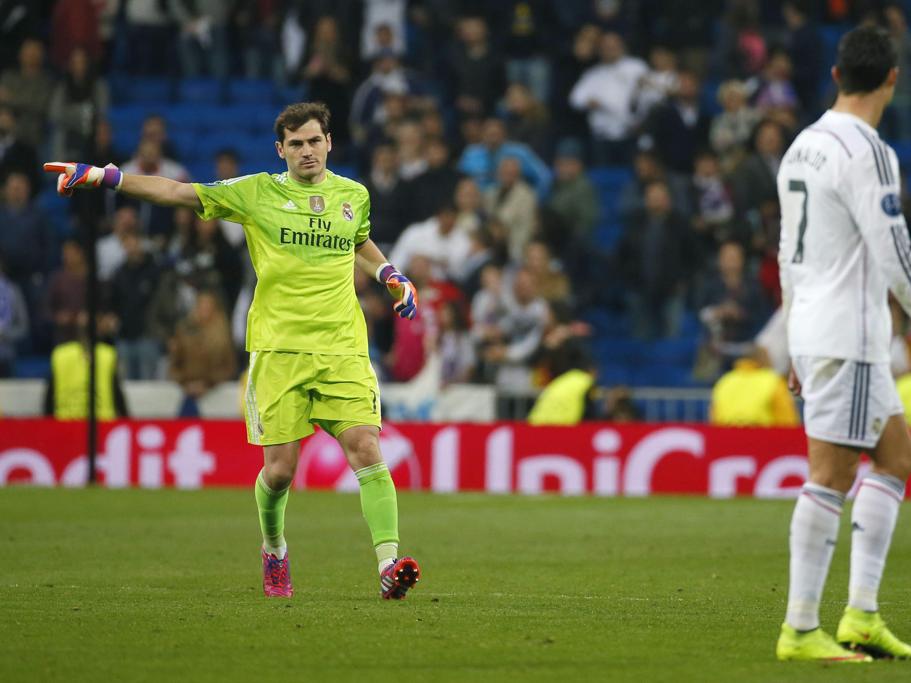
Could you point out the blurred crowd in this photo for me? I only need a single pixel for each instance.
(475, 126)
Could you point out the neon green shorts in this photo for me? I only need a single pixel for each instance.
(288, 392)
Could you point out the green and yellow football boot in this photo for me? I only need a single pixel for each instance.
(814, 646)
(868, 632)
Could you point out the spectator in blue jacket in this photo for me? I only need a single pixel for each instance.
(481, 160)
(25, 236)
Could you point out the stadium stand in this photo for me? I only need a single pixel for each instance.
(436, 90)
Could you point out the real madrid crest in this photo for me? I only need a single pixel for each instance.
(317, 204)
(347, 212)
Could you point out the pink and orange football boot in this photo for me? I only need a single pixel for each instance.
(398, 577)
(276, 576)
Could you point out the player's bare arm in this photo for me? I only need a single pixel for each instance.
(370, 259)
(154, 189)
(162, 191)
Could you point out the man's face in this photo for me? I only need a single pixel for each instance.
(447, 219)
(730, 260)
(494, 133)
(149, 154)
(31, 54)
(895, 18)
(662, 59)
(126, 220)
(491, 278)
(706, 167)
(688, 87)
(420, 269)
(509, 172)
(384, 159)
(437, 154)
(536, 257)
(72, 256)
(467, 195)
(384, 36)
(386, 64)
(305, 151)
(410, 138)
(568, 168)
(524, 287)
(206, 307)
(7, 122)
(154, 128)
(657, 200)
(472, 131)
(769, 141)
(226, 167)
(132, 245)
(646, 167)
(395, 106)
(611, 48)
(473, 30)
(16, 191)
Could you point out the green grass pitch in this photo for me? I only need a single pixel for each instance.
(130, 585)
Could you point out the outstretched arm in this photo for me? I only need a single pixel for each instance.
(154, 189)
(370, 259)
(158, 190)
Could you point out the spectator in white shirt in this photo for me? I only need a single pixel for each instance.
(437, 239)
(150, 160)
(383, 27)
(658, 84)
(109, 250)
(488, 306)
(607, 91)
(520, 332)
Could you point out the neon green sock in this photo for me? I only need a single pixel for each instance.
(271, 506)
(380, 508)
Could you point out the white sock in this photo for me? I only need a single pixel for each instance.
(277, 550)
(872, 523)
(814, 531)
(386, 554)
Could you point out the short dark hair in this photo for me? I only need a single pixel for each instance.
(296, 115)
(866, 55)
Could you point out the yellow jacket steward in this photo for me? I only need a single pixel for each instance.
(70, 376)
(752, 395)
(903, 384)
(563, 400)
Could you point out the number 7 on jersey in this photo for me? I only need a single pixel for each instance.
(800, 186)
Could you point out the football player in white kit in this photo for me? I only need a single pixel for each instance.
(844, 247)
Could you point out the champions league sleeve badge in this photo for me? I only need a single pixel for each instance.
(892, 205)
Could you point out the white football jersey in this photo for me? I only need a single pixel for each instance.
(844, 243)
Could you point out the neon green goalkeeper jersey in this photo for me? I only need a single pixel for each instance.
(301, 240)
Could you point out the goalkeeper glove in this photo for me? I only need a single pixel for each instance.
(401, 288)
(72, 175)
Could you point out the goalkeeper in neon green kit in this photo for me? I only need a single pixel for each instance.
(306, 228)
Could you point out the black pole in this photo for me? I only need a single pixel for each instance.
(91, 301)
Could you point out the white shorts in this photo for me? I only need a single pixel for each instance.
(846, 402)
